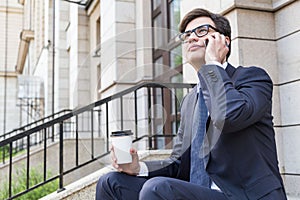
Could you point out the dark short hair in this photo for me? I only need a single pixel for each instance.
(222, 23)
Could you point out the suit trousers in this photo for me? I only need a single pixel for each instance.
(119, 186)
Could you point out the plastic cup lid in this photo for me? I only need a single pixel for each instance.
(121, 133)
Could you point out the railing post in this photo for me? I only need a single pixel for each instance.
(163, 107)
(61, 157)
(135, 114)
(45, 154)
(77, 138)
(121, 109)
(107, 128)
(92, 134)
(28, 162)
(176, 110)
(149, 119)
(99, 121)
(52, 133)
(10, 171)
(3, 154)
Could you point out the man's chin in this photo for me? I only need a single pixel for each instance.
(196, 56)
(196, 61)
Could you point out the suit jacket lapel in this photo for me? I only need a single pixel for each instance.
(191, 103)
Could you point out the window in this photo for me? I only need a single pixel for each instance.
(165, 22)
(167, 59)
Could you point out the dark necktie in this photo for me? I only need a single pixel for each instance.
(198, 174)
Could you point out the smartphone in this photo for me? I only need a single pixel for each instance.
(206, 42)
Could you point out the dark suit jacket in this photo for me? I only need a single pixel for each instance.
(240, 136)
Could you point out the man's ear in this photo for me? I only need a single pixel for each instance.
(227, 41)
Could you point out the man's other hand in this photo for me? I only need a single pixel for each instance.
(132, 168)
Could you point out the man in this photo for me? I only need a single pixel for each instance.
(237, 154)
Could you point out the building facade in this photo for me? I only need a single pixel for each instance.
(63, 55)
(11, 16)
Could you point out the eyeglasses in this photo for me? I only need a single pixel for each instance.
(200, 31)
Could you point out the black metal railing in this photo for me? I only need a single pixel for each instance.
(135, 108)
(21, 145)
(33, 124)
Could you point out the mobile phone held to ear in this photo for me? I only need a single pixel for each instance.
(227, 45)
(206, 42)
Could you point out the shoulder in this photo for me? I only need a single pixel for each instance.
(251, 73)
(251, 70)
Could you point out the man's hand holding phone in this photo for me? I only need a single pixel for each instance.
(216, 48)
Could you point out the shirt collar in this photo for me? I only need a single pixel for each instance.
(224, 65)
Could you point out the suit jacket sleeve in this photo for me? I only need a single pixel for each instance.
(234, 106)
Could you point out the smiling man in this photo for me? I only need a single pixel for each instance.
(225, 147)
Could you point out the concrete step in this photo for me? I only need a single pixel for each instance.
(293, 198)
(85, 188)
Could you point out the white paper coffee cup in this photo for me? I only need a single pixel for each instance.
(122, 141)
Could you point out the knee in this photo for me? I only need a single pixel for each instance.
(154, 188)
(101, 184)
(107, 180)
(105, 184)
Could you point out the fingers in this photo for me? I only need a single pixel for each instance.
(112, 154)
(114, 161)
(134, 155)
(217, 38)
(116, 165)
(133, 151)
(122, 167)
(216, 49)
(129, 168)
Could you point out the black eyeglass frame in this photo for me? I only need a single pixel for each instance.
(194, 31)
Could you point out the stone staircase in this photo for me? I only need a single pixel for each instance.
(85, 188)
